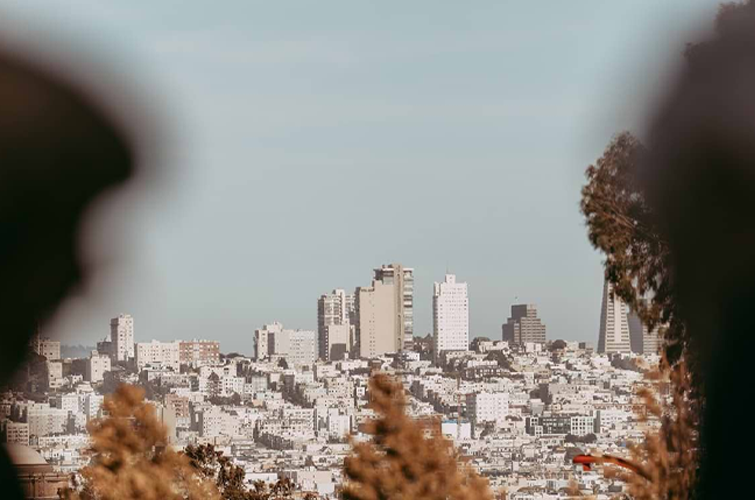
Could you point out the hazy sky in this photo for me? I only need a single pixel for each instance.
(317, 140)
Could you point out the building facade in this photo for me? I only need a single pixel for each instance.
(385, 312)
(402, 280)
(450, 316)
(96, 366)
(122, 337)
(261, 339)
(336, 315)
(302, 348)
(376, 327)
(46, 347)
(155, 352)
(524, 326)
(199, 352)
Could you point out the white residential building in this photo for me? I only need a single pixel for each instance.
(16, 432)
(44, 420)
(484, 407)
(96, 366)
(302, 348)
(335, 320)
(54, 374)
(450, 316)
(261, 339)
(122, 337)
(156, 352)
(214, 422)
(46, 347)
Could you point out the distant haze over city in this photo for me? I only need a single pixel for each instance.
(311, 147)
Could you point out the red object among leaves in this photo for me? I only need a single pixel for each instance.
(587, 462)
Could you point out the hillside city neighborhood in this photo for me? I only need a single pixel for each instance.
(518, 406)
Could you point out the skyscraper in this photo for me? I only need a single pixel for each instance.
(402, 279)
(450, 316)
(524, 326)
(614, 323)
(385, 312)
(335, 319)
(122, 337)
(375, 329)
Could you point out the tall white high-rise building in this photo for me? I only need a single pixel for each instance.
(122, 337)
(614, 323)
(450, 316)
(335, 321)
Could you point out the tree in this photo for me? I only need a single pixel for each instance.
(499, 357)
(621, 224)
(213, 465)
(131, 458)
(476, 342)
(406, 459)
(228, 477)
(557, 344)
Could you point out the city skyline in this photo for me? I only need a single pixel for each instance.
(275, 119)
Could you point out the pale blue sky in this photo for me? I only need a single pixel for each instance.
(317, 140)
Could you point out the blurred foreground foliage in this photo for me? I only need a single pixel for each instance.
(406, 458)
(130, 457)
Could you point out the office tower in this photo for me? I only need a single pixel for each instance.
(402, 280)
(335, 320)
(524, 326)
(261, 336)
(199, 352)
(450, 316)
(642, 340)
(122, 337)
(614, 323)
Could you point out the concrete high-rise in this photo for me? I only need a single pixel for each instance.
(385, 312)
(261, 339)
(402, 280)
(614, 323)
(450, 316)
(302, 348)
(336, 317)
(523, 326)
(122, 337)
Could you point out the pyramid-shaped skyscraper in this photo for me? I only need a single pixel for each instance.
(614, 323)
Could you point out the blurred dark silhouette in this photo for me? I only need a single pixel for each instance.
(58, 151)
(700, 180)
